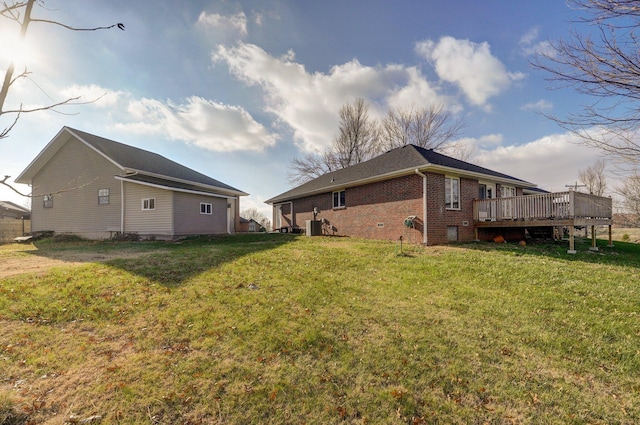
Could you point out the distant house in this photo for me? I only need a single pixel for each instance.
(250, 225)
(13, 211)
(94, 187)
(427, 197)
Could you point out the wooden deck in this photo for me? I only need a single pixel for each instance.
(558, 209)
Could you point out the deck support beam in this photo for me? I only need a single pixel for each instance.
(610, 238)
(594, 247)
(572, 246)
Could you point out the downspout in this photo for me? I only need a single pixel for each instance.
(228, 218)
(424, 206)
(122, 207)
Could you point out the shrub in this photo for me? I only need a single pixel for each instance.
(626, 237)
(66, 237)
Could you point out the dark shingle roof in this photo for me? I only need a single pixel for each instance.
(133, 158)
(403, 159)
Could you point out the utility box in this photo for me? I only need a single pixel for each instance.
(314, 228)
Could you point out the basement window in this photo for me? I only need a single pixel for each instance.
(452, 233)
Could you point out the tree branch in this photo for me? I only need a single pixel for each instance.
(119, 25)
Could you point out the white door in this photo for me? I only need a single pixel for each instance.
(487, 210)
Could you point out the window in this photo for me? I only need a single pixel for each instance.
(205, 208)
(452, 193)
(103, 196)
(507, 191)
(452, 233)
(47, 201)
(148, 204)
(338, 199)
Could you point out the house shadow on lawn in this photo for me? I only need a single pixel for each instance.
(167, 263)
(621, 254)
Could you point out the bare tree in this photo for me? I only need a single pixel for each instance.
(357, 141)
(630, 192)
(594, 178)
(431, 127)
(602, 63)
(20, 12)
(254, 214)
(311, 166)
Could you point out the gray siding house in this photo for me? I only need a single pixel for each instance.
(95, 187)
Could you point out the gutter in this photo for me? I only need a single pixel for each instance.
(424, 206)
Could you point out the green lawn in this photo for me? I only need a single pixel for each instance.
(278, 329)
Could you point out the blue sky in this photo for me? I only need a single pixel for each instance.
(236, 89)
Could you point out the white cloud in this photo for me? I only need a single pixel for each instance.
(309, 102)
(530, 46)
(98, 96)
(234, 25)
(204, 123)
(484, 142)
(540, 105)
(470, 66)
(551, 162)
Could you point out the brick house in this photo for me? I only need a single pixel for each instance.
(418, 194)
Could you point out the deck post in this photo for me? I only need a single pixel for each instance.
(571, 241)
(610, 238)
(476, 234)
(594, 247)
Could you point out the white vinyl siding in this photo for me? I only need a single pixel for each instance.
(188, 219)
(73, 176)
(157, 221)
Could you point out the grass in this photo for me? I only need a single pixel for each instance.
(284, 329)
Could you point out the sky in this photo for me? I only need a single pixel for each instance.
(237, 89)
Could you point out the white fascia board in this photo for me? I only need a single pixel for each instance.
(479, 176)
(400, 173)
(175, 189)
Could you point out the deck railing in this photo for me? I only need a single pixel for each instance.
(559, 205)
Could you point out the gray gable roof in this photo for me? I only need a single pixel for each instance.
(133, 160)
(394, 163)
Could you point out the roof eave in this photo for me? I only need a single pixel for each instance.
(399, 173)
(177, 189)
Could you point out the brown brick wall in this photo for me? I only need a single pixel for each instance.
(378, 210)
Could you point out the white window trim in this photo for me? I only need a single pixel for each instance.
(504, 189)
(333, 199)
(452, 178)
(103, 197)
(149, 202)
(47, 201)
(208, 208)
